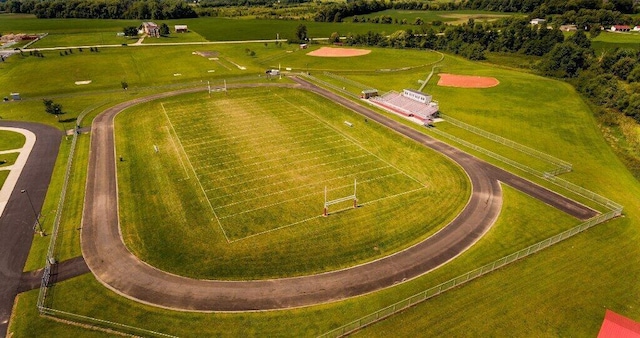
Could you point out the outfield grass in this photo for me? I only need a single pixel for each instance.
(281, 147)
(11, 140)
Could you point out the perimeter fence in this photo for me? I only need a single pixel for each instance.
(614, 208)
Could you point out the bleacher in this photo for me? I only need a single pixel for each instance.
(407, 106)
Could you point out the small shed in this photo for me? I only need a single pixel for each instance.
(304, 46)
(181, 28)
(537, 21)
(15, 96)
(368, 93)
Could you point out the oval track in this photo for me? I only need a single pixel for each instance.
(114, 266)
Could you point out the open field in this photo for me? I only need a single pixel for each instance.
(561, 291)
(11, 140)
(250, 167)
(451, 17)
(610, 40)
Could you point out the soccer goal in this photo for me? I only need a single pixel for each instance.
(353, 197)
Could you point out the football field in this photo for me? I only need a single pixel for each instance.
(264, 163)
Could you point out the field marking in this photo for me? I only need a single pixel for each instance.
(276, 229)
(290, 179)
(348, 137)
(252, 150)
(196, 175)
(175, 148)
(318, 183)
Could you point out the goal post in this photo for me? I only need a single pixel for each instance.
(328, 203)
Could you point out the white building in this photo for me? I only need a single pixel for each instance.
(537, 21)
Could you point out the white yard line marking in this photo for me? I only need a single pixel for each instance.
(178, 153)
(196, 176)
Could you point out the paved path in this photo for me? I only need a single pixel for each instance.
(16, 169)
(16, 224)
(115, 267)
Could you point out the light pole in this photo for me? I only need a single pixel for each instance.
(40, 231)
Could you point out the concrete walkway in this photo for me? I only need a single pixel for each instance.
(16, 168)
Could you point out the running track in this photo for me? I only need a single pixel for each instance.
(115, 267)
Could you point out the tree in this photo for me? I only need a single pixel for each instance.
(52, 108)
(335, 37)
(301, 32)
(164, 29)
(124, 85)
(130, 31)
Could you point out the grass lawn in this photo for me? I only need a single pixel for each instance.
(82, 39)
(8, 159)
(250, 168)
(3, 176)
(610, 40)
(11, 140)
(522, 222)
(451, 17)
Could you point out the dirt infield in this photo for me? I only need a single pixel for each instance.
(464, 81)
(330, 52)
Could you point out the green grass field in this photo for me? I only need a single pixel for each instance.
(250, 168)
(10, 140)
(561, 291)
(3, 176)
(608, 40)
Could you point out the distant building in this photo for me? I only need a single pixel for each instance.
(15, 96)
(620, 28)
(181, 28)
(151, 29)
(636, 29)
(303, 46)
(367, 93)
(568, 28)
(537, 21)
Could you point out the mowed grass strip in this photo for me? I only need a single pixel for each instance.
(269, 184)
(166, 211)
(3, 176)
(11, 140)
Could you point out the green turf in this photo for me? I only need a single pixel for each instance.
(607, 41)
(10, 140)
(268, 190)
(522, 222)
(8, 159)
(3, 176)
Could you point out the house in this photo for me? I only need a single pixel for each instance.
(568, 28)
(181, 28)
(537, 21)
(620, 28)
(151, 29)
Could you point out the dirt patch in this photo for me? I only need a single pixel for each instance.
(207, 54)
(331, 52)
(465, 81)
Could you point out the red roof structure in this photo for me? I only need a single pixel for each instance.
(618, 326)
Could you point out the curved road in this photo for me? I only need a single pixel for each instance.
(115, 267)
(16, 224)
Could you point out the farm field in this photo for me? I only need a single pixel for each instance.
(250, 169)
(609, 40)
(450, 17)
(561, 291)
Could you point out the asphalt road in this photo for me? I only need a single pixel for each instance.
(115, 267)
(16, 224)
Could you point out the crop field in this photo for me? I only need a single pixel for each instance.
(451, 17)
(243, 175)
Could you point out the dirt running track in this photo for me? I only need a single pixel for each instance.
(115, 267)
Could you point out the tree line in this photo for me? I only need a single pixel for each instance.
(103, 9)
